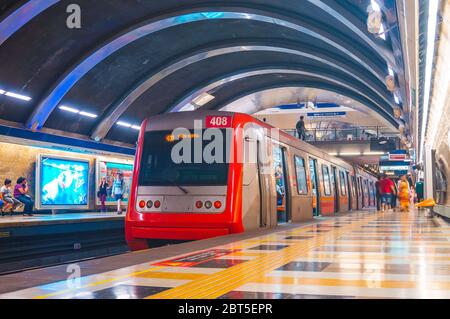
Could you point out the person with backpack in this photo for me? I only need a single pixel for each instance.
(118, 190)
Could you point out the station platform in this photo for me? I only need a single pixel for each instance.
(363, 254)
(43, 240)
(46, 219)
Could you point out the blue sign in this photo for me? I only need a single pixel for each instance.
(326, 114)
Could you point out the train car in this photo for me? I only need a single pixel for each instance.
(209, 173)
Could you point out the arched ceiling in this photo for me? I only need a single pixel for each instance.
(133, 59)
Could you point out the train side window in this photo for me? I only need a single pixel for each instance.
(326, 180)
(342, 180)
(302, 186)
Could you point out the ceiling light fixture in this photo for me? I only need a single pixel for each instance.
(92, 115)
(17, 96)
(69, 109)
(203, 99)
(2, 92)
(77, 111)
(431, 36)
(124, 124)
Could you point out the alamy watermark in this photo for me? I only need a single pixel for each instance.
(73, 20)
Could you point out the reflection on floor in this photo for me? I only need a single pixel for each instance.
(361, 255)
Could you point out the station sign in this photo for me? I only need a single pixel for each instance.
(398, 155)
(326, 114)
(394, 168)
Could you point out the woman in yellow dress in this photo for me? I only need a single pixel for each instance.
(403, 194)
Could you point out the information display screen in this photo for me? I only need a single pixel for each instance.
(62, 182)
(110, 171)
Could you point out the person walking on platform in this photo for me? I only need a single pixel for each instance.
(102, 193)
(387, 188)
(403, 194)
(118, 190)
(301, 128)
(20, 193)
(7, 196)
(419, 190)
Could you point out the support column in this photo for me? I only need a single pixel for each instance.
(429, 172)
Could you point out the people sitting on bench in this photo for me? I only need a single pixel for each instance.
(10, 203)
(20, 193)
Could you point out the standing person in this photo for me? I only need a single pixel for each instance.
(20, 193)
(118, 189)
(394, 196)
(378, 194)
(403, 194)
(102, 193)
(387, 188)
(301, 128)
(8, 196)
(419, 190)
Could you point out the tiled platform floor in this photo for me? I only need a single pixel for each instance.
(361, 255)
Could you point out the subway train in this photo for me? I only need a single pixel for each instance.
(203, 174)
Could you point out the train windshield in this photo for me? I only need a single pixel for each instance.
(186, 158)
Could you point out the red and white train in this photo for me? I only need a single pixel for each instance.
(254, 176)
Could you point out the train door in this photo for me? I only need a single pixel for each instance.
(349, 191)
(335, 188)
(354, 192)
(314, 186)
(359, 190)
(281, 184)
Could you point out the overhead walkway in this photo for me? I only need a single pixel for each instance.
(360, 255)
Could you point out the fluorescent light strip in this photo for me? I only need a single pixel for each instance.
(88, 114)
(390, 71)
(69, 109)
(77, 111)
(124, 124)
(16, 96)
(135, 127)
(396, 99)
(2, 92)
(431, 36)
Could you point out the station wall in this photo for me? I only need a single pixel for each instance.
(20, 160)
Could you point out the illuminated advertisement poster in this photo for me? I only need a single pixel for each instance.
(110, 170)
(62, 182)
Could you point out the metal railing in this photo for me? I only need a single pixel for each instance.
(342, 135)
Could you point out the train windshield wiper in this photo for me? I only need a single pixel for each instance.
(183, 189)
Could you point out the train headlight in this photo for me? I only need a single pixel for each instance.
(142, 204)
(199, 204)
(217, 204)
(149, 204)
(157, 204)
(208, 204)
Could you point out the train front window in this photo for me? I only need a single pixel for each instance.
(189, 159)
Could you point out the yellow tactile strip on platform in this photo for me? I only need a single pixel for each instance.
(226, 280)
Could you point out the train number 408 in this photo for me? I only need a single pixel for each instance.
(218, 121)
